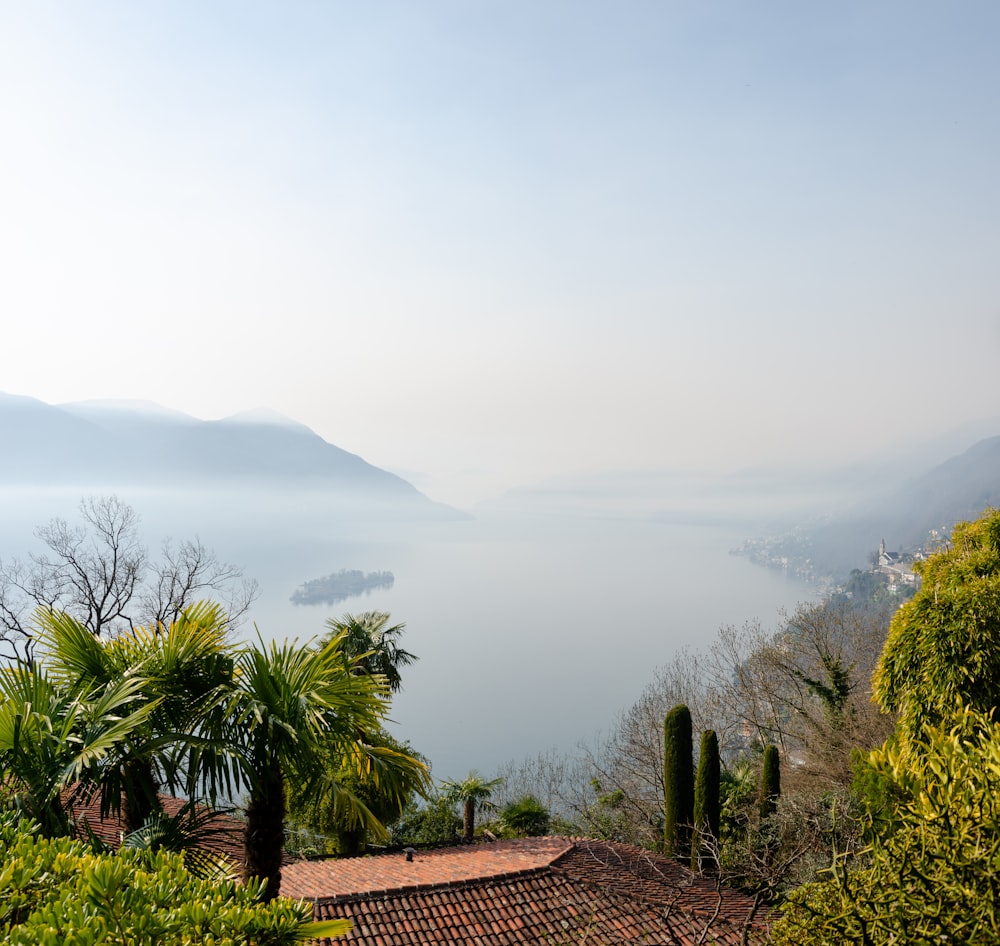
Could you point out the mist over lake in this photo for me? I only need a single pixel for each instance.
(533, 630)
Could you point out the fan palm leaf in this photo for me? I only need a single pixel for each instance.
(373, 644)
(186, 669)
(52, 738)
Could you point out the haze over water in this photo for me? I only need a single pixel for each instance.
(533, 630)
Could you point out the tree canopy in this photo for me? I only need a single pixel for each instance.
(929, 876)
(374, 644)
(180, 705)
(943, 648)
(474, 793)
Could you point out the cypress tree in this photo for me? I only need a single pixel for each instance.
(770, 782)
(704, 845)
(678, 776)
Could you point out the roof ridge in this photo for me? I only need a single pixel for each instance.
(430, 887)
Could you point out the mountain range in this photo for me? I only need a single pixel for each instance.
(103, 445)
(97, 444)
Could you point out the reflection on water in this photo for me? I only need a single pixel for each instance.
(532, 631)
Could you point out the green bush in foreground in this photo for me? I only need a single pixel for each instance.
(57, 892)
(930, 873)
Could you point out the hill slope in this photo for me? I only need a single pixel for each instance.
(907, 512)
(111, 444)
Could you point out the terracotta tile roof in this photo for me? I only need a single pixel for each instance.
(392, 873)
(535, 890)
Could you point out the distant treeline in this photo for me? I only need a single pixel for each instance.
(340, 586)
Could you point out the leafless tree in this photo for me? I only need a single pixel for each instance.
(804, 686)
(807, 686)
(627, 763)
(187, 572)
(99, 571)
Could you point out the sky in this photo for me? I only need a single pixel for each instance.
(485, 243)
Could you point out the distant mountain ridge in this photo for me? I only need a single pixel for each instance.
(908, 512)
(113, 443)
(958, 489)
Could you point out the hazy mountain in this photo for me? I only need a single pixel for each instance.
(762, 498)
(102, 444)
(958, 489)
(907, 509)
(44, 445)
(834, 518)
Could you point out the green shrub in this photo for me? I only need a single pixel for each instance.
(433, 822)
(58, 892)
(929, 874)
(524, 817)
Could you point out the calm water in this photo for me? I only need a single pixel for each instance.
(533, 631)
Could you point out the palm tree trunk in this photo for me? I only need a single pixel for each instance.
(265, 832)
(469, 819)
(141, 798)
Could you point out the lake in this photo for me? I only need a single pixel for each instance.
(533, 630)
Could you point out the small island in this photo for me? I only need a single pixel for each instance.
(347, 583)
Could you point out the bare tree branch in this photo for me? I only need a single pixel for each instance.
(100, 572)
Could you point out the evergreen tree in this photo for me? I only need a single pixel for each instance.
(704, 848)
(770, 782)
(525, 817)
(678, 777)
(373, 644)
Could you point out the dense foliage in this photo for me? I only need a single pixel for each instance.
(58, 892)
(944, 644)
(524, 817)
(928, 874)
(179, 705)
(332, 827)
(342, 807)
(432, 822)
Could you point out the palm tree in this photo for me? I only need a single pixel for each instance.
(355, 805)
(375, 645)
(287, 701)
(474, 793)
(54, 738)
(186, 671)
(526, 817)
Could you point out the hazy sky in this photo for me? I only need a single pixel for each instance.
(494, 241)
